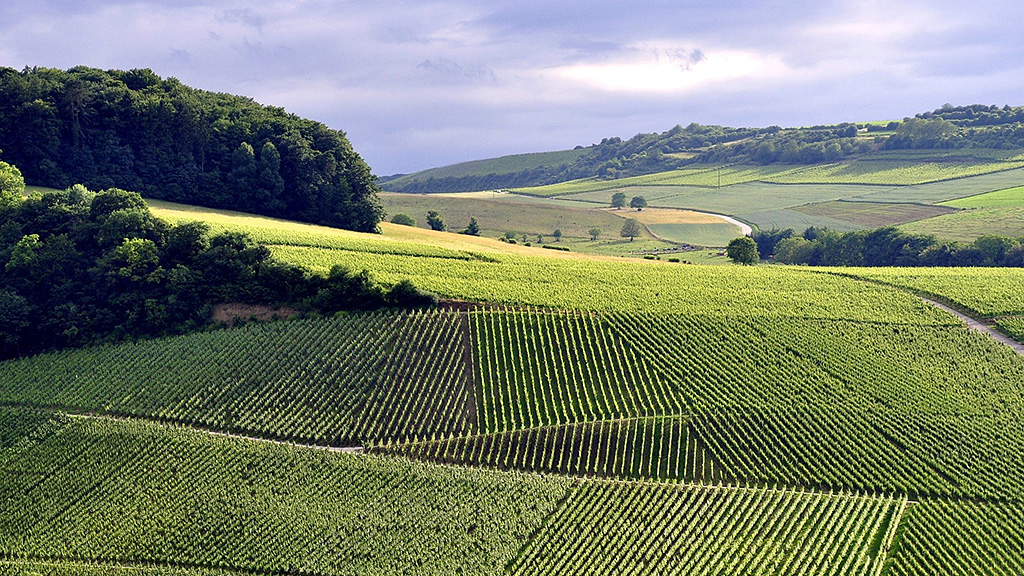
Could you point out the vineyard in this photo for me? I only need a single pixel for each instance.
(595, 417)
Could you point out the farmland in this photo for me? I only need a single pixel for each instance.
(582, 414)
(953, 196)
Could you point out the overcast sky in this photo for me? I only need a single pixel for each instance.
(423, 84)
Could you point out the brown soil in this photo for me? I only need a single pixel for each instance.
(236, 312)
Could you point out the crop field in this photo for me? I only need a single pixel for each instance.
(985, 292)
(592, 415)
(893, 172)
(1008, 198)
(967, 225)
(874, 214)
(504, 213)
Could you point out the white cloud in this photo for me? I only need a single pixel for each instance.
(665, 70)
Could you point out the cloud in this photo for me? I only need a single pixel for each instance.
(451, 71)
(243, 16)
(427, 82)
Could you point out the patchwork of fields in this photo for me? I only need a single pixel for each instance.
(585, 415)
(925, 191)
(608, 416)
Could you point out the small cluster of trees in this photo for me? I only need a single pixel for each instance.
(886, 247)
(78, 267)
(619, 201)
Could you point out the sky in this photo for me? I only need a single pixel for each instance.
(416, 85)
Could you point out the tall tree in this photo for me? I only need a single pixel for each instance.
(618, 200)
(630, 229)
(743, 250)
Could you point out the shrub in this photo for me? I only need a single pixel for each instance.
(403, 219)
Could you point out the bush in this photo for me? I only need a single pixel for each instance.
(559, 248)
(405, 294)
(403, 219)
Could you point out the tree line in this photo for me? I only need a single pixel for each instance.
(78, 267)
(136, 131)
(612, 158)
(887, 246)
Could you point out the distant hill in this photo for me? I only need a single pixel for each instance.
(949, 127)
(134, 130)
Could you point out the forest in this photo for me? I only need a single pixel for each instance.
(137, 131)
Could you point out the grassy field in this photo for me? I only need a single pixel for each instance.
(874, 214)
(966, 225)
(502, 165)
(1008, 198)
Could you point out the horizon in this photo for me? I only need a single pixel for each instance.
(424, 85)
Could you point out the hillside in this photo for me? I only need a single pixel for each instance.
(137, 131)
(948, 128)
(563, 413)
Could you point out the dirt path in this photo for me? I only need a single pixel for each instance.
(340, 449)
(979, 326)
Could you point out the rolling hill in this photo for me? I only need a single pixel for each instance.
(562, 413)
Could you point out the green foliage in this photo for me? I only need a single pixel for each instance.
(344, 381)
(638, 202)
(134, 130)
(743, 250)
(256, 507)
(403, 219)
(12, 185)
(435, 222)
(594, 233)
(618, 199)
(707, 530)
(630, 229)
(87, 268)
(473, 229)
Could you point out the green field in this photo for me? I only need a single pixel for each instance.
(966, 225)
(1008, 198)
(583, 414)
(874, 214)
(897, 187)
(502, 165)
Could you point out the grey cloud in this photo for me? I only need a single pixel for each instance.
(243, 16)
(453, 71)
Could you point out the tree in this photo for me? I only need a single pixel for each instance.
(435, 222)
(594, 233)
(743, 250)
(244, 176)
(631, 229)
(12, 184)
(557, 234)
(403, 219)
(473, 229)
(271, 185)
(638, 202)
(618, 200)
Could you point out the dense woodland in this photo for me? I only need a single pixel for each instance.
(78, 267)
(136, 131)
(885, 247)
(945, 128)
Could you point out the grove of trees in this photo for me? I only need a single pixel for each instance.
(78, 267)
(886, 247)
(136, 131)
